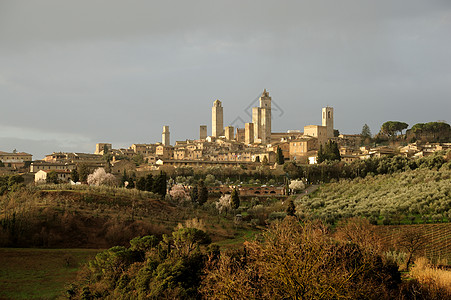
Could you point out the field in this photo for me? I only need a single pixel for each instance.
(39, 273)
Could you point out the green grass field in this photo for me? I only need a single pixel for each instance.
(39, 273)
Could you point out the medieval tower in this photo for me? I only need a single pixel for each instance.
(165, 138)
(328, 121)
(261, 117)
(217, 124)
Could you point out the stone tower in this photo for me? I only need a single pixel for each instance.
(203, 132)
(261, 117)
(165, 139)
(229, 133)
(249, 133)
(217, 124)
(328, 121)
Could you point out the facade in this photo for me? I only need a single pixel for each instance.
(41, 176)
(165, 138)
(217, 121)
(15, 159)
(316, 131)
(261, 117)
(165, 152)
(301, 149)
(37, 166)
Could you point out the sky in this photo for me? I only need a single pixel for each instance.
(76, 73)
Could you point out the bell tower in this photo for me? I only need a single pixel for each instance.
(328, 121)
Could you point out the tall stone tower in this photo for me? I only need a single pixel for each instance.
(328, 121)
(203, 132)
(165, 138)
(249, 133)
(217, 124)
(261, 117)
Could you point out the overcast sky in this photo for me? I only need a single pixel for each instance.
(74, 73)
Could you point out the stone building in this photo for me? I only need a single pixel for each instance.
(203, 132)
(261, 117)
(328, 121)
(301, 149)
(217, 119)
(240, 135)
(100, 148)
(165, 137)
(229, 133)
(15, 159)
(249, 133)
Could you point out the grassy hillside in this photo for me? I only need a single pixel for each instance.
(417, 196)
(98, 217)
(39, 273)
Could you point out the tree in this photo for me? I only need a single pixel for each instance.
(320, 156)
(235, 199)
(265, 160)
(329, 152)
(203, 193)
(52, 177)
(74, 175)
(141, 184)
(100, 177)
(296, 185)
(412, 240)
(391, 128)
(280, 157)
(83, 172)
(194, 194)
(291, 209)
(366, 132)
(336, 132)
(223, 204)
(149, 183)
(160, 184)
(124, 178)
(257, 159)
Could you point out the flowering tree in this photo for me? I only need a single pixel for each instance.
(100, 177)
(297, 185)
(224, 203)
(179, 194)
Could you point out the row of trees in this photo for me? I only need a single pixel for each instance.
(157, 185)
(326, 171)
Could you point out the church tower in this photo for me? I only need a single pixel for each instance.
(217, 123)
(328, 121)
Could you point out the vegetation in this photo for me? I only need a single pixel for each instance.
(290, 260)
(39, 273)
(415, 196)
(329, 153)
(431, 132)
(391, 128)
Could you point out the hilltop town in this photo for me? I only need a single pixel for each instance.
(227, 146)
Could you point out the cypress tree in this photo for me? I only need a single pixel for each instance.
(203, 193)
(149, 183)
(291, 209)
(235, 199)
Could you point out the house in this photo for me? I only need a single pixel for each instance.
(15, 159)
(41, 175)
